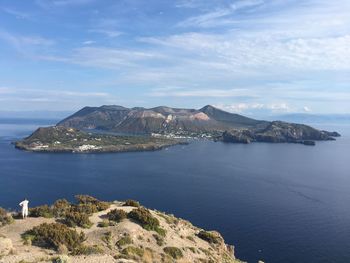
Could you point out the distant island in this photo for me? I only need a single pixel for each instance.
(91, 230)
(159, 127)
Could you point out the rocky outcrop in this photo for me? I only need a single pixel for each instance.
(279, 132)
(238, 136)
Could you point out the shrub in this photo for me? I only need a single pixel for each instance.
(133, 251)
(144, 217)
(117, 215)
(41, 211)
(126, 240)
(60, 207)
(54, 235)
(211, 237)
(159, 239)
(5, 218)
(174, 252)
(88, 209)
(131, 202)
(87, 250)
(104, 223)
(190, 238)
(61, 259)
(74, 219)
(107, 238)
(97, 204)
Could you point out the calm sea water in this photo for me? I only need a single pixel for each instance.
(275, 202)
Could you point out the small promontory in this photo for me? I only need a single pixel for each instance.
(63, 139)
(91, 230)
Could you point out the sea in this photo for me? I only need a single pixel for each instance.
(278, 203)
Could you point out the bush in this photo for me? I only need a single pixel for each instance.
(104, 223)
(74, 219)
(117, 215)
(41, 211)
(88, 209)
(133, 251)
(61, 259)
(126, 240)
(211, 237)
(93, 202)
(87, 250)
(60, 207)
(54, 235)
(144, 217)
(131, 202)
(174, 252)
(5, 218)
(159, 239)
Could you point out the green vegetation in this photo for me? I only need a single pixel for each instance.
(61, 207)
(159, 239)
(133, 251)
(104, 223)
(174, 252)
(41, 211)
(117, 215)
(126, 240)
(131, 202)
(107, 238)
(144, 217)
(94, 203)
(5, 218)
(190, 238)
(53, 235)
(88, 250)
(63, 139)
(210, 236)
(73, 219)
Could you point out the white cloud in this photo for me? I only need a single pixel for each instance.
(254, 107)
(306, 109)
(62, 3)
(217, 93)
(219, 16)
(25, 43)
(89, 42)
(16, 13)
(107, 32)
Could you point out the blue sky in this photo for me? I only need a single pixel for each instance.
(246, 56)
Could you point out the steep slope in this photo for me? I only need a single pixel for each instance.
(157, 120)
(103, 118)
(232, 119)
(191, 122)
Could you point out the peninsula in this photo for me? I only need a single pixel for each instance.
(91, 230)
(62, 139)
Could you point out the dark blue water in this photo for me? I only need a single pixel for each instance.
(275, 202)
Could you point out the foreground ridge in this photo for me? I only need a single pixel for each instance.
(96, 231)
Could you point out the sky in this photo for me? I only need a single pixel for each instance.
(253, 57)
